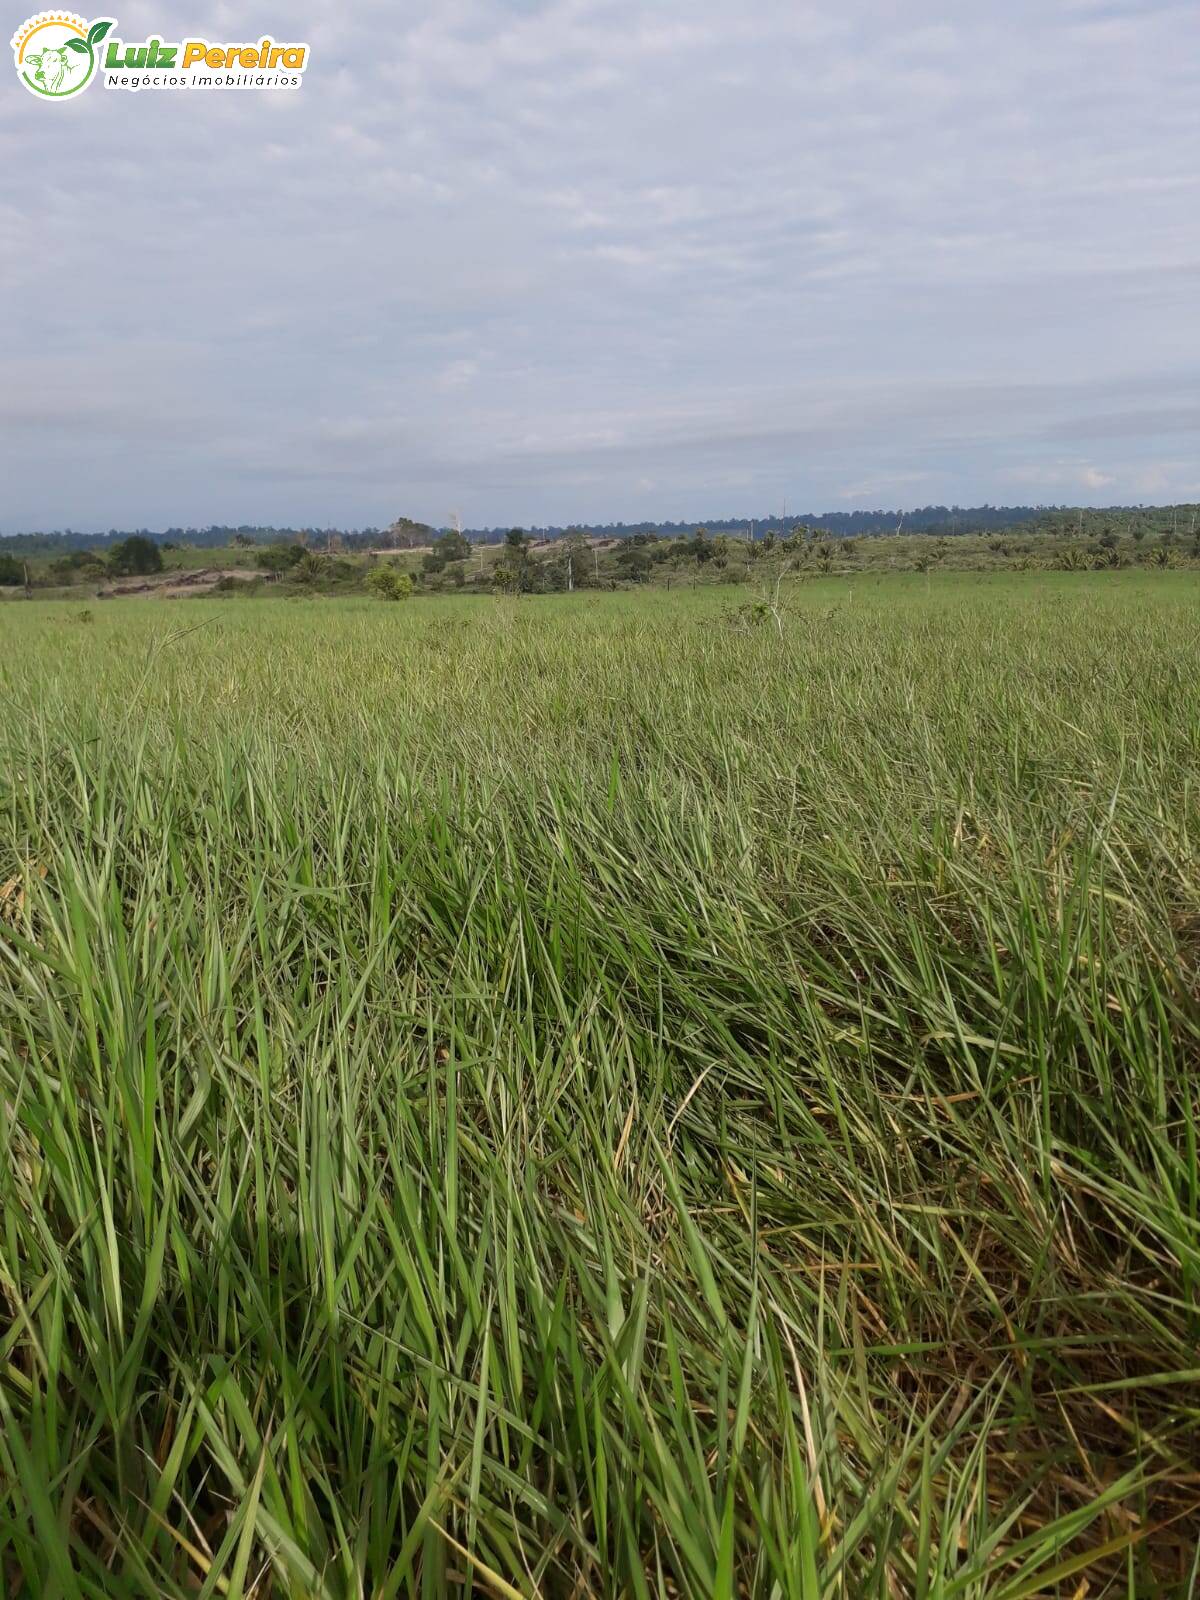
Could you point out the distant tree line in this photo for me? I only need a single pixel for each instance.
(134, 556)
(1136, 522)
(216, 536)
(838, 524)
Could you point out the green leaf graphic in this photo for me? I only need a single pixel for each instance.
(77, 44)
(97, 31)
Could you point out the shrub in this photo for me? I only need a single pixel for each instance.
(78, 564)
(279, 558)
(388, 584)
(311, 568)
(633, 564)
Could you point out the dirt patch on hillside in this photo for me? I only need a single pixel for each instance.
(388, 550)
(177, 585)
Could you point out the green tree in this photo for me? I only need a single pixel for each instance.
(10, 571)
(279, 558)
(388, 584)
(135, 556)
(576, 552)
(515, 572)
(452, 546)
(633, 564)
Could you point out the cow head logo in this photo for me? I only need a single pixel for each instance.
(56, 53)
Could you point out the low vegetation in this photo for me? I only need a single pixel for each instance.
(388, 584)
(603, 1097)
(521, 563)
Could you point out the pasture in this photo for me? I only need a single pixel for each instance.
(580, 1097)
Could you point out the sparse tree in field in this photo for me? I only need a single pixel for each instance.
(575, 549)
(767, 606)
(516, 573)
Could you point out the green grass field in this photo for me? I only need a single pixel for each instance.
(568, 1097)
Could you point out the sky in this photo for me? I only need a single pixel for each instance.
(546, 261)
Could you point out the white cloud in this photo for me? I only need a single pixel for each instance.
(555, 259)
(456, 375)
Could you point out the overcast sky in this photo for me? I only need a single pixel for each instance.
(543, 262)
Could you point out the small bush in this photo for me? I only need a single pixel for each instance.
(311, 568)
(388, 584)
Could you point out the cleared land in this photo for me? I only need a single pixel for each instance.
(573, 1096)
